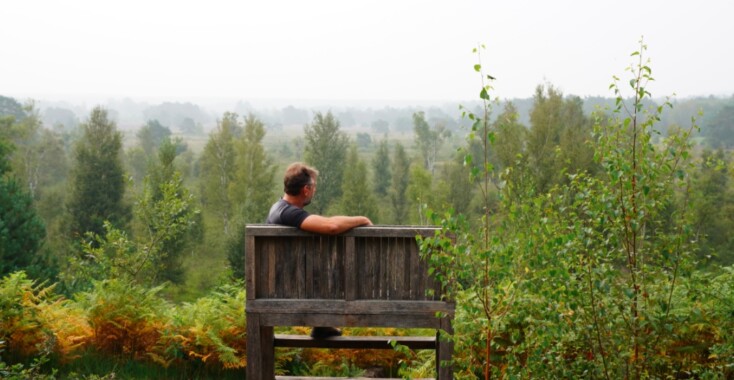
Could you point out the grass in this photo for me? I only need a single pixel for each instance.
(93, 365)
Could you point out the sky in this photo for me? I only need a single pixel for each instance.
(357, 50)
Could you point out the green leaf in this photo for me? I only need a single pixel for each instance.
(491, 137)
(477, 67)
(483, 94)
(468, 160)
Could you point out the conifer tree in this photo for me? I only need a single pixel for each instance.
(557, 138)
(251, 191)
(21, 230)
(97, 178)
(326, 149)
(217, 170)
(357, 197)
(399, 185)
(381, 169)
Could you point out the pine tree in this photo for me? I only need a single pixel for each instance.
(357, 197)
(97, 178)
(326, 149)
(381, 169)
(557, 138)
(217, 170)
(399, 185)
(21, 230)
(251, 190)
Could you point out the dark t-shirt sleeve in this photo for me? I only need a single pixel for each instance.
(286, 214)
(293, 216)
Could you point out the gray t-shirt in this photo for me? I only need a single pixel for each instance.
(286, 214)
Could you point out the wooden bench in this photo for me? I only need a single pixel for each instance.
(368, 277)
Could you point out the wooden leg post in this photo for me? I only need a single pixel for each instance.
(268, 352)
(254, 359)
(444, 351)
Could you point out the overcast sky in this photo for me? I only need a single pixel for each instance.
(357, 50)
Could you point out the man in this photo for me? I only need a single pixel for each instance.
(299, 185)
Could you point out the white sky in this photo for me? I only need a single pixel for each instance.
(352, 50)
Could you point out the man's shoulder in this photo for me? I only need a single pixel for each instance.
(286, 214)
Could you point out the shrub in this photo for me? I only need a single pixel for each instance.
(211, 330)
(126, 318)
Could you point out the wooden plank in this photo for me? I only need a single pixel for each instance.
(354, 320)
(270, 260)
(254, 358)
(332, 378)
(371, 231)
(268, 351)
(444, 351)
(365, 342)
(291, 306)
(407, 293)
(250, 267)
(309, 242)
(350, 269)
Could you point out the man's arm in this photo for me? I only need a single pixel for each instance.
(333, 225)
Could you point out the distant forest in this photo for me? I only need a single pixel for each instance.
(714, 114)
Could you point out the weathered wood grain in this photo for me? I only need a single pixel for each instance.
(370, 276)
(369, 342)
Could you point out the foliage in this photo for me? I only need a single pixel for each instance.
(399, 185)
(170, 216)
(6, 147)
(21, 230)
(357, 199)
(713, 205)
(152, 135)
(211, 330)
(152, 258)
(720, 129)
(591, 278)
(428, 139)
(251, 188)
(98, 182)
(22, 328)
(127, 319)
(557, 138)
(326, 150)
(217, 170)
(19, 371)
(11, 107)
(381, 169)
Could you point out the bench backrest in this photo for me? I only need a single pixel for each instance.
(367, 263)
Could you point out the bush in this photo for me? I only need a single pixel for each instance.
(126, 318)
(211, 330)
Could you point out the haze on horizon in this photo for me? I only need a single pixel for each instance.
(357, 50)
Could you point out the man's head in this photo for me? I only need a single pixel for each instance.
(300, 179)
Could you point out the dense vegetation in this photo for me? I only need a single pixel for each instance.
(577, 241)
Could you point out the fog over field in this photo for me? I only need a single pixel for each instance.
(354, 53)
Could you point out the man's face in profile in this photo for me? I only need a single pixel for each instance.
(309, 191)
